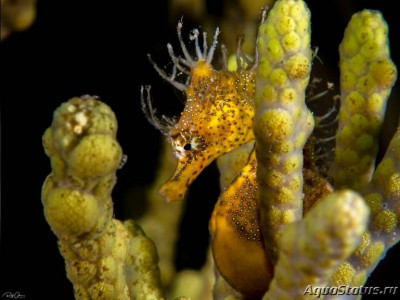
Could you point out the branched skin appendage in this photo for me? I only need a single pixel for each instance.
(104, 257)
(217, 118)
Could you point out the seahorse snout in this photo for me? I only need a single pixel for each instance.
(186, 172)
(172, 191)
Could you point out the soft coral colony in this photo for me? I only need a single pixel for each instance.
(279, 225)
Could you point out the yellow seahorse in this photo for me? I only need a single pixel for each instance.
(218, 118)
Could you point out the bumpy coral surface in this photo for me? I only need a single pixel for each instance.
(283, 123)
(367, 76)
(104, 258)
(309, 254)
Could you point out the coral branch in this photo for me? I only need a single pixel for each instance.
(383, 198)
(105, 259)
(283, 122)
(386, 183)
(161, 220)
(309, 254)
(367, 76)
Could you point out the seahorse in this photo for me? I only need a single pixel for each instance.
(218, 118)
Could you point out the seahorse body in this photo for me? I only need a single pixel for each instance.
(237, 241)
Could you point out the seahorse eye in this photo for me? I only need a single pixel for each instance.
(187, 147)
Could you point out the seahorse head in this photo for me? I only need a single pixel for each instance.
(217, 118)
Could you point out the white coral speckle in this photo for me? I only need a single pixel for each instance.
(81, 120)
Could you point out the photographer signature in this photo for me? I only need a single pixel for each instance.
(11, 295)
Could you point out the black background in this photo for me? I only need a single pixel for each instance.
(99, 48)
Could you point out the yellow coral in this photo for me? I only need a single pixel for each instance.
(282, 123)
(161, 220)
(382, 196)
(96, 155)
(365, 242)
(298, 66)
(70, 211)
(372, 254)
(276, 125)
(77, 205)
(386, 221)
(367, 75)
(374, 200)
(342, 219)
(343, 275)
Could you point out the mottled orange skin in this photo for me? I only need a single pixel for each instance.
(237, 241)
(217, 118)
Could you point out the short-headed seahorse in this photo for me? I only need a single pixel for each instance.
(218, 118)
